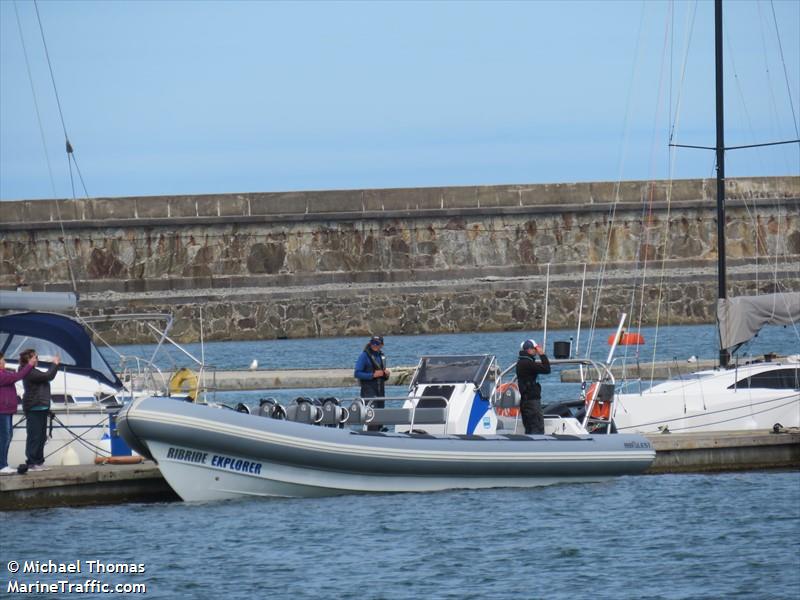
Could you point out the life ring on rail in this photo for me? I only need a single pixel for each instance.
(118, 460)
(183, 378)
(505, 389)
(627, 339)
(601, 410)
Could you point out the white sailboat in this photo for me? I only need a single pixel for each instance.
(759, 394)
(87, 392)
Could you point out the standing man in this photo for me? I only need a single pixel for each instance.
(530, 390)
(36, 404)
(372, 373)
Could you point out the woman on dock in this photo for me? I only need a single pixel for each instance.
(8, 407)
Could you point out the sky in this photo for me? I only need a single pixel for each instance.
(184, 97)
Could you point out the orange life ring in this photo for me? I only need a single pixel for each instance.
(507, 412)
(627, 339)
(601, 410)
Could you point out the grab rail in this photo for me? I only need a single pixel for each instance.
(602, 374)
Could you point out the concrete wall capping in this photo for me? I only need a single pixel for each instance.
(393, 199)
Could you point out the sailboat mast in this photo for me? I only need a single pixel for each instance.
(724, 355)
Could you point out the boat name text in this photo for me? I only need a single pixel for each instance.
(191, 456)
(637, 444)
(236, 464)
(221, 462)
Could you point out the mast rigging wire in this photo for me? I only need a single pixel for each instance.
(35, 102)
(612, 211)
(783, 62)
(70, 153)
(67, 254)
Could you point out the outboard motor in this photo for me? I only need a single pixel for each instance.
(333, 414)
(360, 413)
(269, 407)
(304, 410)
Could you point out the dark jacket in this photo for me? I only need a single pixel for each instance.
(37, 388)
(8, 391)
(528, 369)
(369, 362)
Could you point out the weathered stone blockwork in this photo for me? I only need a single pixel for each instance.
(401, 261)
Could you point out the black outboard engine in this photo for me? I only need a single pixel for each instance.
(269, 407)
(304, 410)
(360, 413)
(333, 415)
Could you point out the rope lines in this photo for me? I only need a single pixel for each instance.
(35, 102)
(70, 152)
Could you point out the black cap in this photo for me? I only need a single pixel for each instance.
(376, 339)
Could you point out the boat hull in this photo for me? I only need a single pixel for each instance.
(650, 413)
(78, 433)
(716, 400)
(206, 453)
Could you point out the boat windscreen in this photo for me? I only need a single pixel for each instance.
(453, 369)
(15, 345)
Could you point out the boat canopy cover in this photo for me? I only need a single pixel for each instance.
(50, 334)
(742, 317)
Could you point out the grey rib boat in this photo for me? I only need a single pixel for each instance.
(446, 435)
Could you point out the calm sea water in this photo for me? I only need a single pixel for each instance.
(677, 342)
(733, 535)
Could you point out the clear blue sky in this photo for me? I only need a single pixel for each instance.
(206, 97)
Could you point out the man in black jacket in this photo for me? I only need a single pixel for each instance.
(36, 404)
(530, 390)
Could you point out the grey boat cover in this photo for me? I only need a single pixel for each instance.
(53, 301)
(742, 317)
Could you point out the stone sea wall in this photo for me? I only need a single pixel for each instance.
(405, 261)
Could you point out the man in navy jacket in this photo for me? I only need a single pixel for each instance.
(372, 373)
